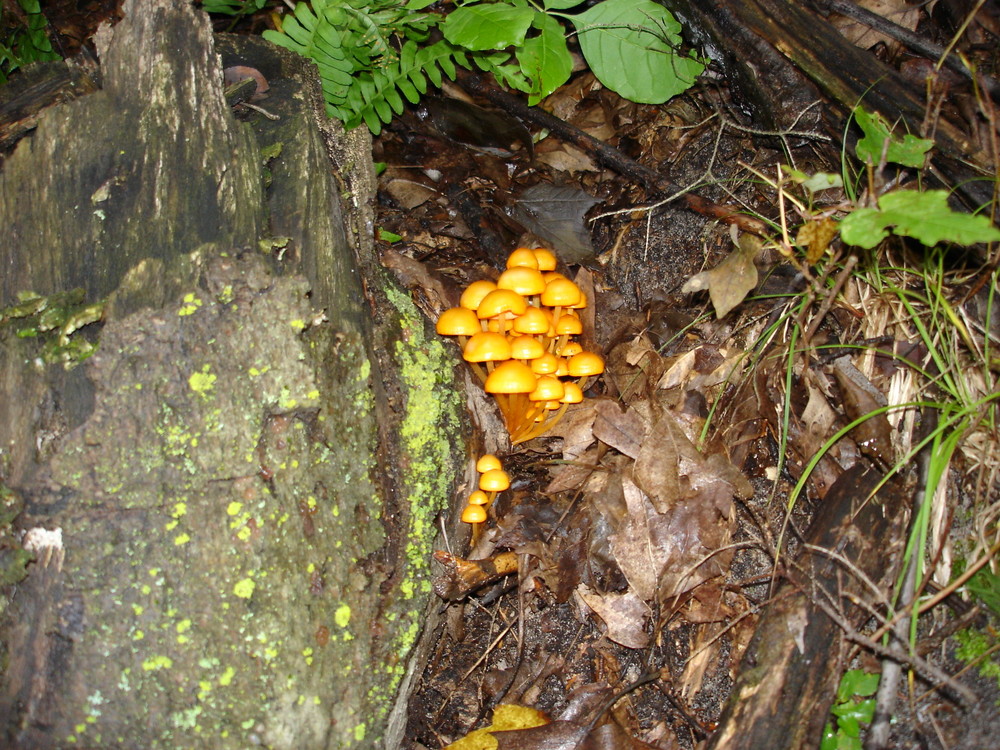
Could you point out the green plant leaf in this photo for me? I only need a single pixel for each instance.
(561, 4)
(925, 216)
(986, 586)
(487, 26)
(232, 7)
(909, 150)
(629, 44)
(545, 59)
(857, 682)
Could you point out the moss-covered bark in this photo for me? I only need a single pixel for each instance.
(245, 477)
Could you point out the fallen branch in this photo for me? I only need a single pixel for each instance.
(611, 157)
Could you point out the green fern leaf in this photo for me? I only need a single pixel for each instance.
(354, 45)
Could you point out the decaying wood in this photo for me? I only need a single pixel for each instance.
(753, 33)
(241, 483)
(791, 668)
(38, 87)
(462, 577)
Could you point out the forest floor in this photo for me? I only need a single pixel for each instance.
(745, 375)
(653, 600)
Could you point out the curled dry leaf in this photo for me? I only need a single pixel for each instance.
(625, 615)
(732, 280)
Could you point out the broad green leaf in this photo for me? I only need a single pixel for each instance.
(925, 216)
(814, 182)
(545, 58)
(485, 27)
(909, 150)
(561, 4)
(629, 44)
(857, 682)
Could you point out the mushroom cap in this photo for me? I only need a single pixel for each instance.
(523, 256)
(548, 388)
(547, 364)
(523, 280)
(561, 293)
(552, 275)
(572, 394)
(494, 480)
(569, 325)
(488, 461)
(570, 348)
(474, 514)
(486, 346)
(546, 259)
(582, 303)
(585, 364)
(458, 321)
(511, 377)
(526, 347)
(478, 497)
(475, 292)
(534, 320)
(501, 301)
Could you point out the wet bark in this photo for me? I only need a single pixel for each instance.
(782, 57)
(231, 503)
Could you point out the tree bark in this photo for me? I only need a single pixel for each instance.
(237, 492)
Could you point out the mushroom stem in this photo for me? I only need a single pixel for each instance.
(541, 428)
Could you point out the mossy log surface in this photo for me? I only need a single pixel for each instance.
(241, 484)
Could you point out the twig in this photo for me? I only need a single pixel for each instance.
(928, 671)
(611, 157)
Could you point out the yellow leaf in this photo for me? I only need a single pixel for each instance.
(505, 717)
(816, 236)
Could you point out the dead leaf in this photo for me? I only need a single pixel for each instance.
(731, 281)
(816, 236)
(564, 157)
(861, 397)
(624, 431)
(625, 615)
(576, 428)
(558, 735)
(491, 131)
(558, 216)
(862, 35)
(505, 718)
(406, 189)
(637, 546)
(658, 464)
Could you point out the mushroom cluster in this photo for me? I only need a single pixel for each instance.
(492, 479)
(518, 335)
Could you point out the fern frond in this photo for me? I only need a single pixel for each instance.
(353, 43)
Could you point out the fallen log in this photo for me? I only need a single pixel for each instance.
(789, 674)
